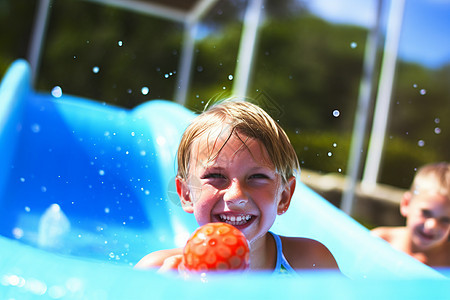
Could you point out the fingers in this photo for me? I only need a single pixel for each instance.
(171, 263)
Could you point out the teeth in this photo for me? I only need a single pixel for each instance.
(235, 220)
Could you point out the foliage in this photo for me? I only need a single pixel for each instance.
(304, 67)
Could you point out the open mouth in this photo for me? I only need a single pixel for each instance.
(426, 236)
(235, 220)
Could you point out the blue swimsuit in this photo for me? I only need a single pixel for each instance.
(282, 265)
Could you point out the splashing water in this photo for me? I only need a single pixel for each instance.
(53, 225)
(145, 90)
(56, 92)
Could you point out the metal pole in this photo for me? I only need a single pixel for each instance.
(187, 57)
(384, 94)
(37, 39)
(247, 46)
(362, 113)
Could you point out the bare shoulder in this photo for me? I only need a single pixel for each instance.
(156, 259)
(304, 253)
(388, 233)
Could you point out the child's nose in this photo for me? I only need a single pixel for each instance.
(430, 223)
(235, 194)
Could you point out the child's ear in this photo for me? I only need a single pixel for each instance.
(286, 196)
(184, 194)
(404, 203)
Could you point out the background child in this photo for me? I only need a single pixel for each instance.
(427, 210)
(237, 165)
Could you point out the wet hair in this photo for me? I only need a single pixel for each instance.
(433, 177)
(239, 117)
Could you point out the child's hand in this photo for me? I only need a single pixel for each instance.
(172, 263)
(216, 247)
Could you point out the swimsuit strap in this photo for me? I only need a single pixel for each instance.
(282, 265)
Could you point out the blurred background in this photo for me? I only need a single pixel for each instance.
(361, 86)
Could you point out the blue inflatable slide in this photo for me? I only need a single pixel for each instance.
(87, 189)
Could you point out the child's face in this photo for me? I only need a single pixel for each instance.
(428, 219)
(240, 186)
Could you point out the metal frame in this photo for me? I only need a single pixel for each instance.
(244, 64)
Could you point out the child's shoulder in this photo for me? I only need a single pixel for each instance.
(389, 233)
(304, 253)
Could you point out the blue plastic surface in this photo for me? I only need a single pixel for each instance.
(111, 173)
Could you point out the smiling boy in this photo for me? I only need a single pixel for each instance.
(237, 165)
(426, 207)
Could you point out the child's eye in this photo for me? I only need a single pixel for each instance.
(426, 213)
(259, 176)
(212, 176)
(445, 220)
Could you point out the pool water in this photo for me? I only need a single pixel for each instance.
(87, 189)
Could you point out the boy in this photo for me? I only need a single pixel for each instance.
(426, 208)
(237, 165)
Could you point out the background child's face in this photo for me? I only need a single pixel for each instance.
(240, 186)
(428, 219)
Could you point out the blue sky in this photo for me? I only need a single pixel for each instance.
(425, 36)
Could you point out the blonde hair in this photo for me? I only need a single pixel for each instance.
(234, 116)
(432, 178)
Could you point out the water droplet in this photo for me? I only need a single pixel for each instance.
(57, 92)
(35, 128)
(95, 69)
(339, 170)
(421, 143)
(414, 85)
(43, 189)
(423, 91)
(27, 209)
(129, 91)
(120, 43)
(353, 45)
(329, 153)
(160, 140)
(336, 113)
(334, 145)
(230, 77)
(199, 69)
(101, 172)
(22, 179)
(107, 210)
(145, 90)
(17, 232)
(437, 130)
(437, 120)
(111, 255)
(133, 133)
